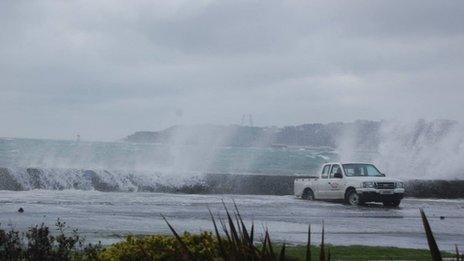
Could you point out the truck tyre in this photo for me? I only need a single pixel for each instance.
(353, 198)
(308, 194)
(392, 203)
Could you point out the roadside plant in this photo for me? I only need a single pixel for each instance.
(38, 243)
(433, 246)
(10, 245)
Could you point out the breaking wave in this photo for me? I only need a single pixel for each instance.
(120, 181)
(410, 150)
(102, 180)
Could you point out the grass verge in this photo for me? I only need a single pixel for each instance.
(357, 252)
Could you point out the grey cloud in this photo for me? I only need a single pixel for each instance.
(106, 68)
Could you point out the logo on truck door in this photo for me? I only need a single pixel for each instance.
(334, 185)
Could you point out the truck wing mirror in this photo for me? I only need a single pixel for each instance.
(338, 175)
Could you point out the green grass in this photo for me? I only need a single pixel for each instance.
(357, 252)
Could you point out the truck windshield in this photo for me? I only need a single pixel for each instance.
(361, 170)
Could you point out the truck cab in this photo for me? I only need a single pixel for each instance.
(355, 183)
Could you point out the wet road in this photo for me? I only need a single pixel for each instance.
(106, 216)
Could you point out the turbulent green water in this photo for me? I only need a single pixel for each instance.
(159, 158)
(27, 164)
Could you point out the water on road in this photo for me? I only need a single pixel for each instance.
(107, 216)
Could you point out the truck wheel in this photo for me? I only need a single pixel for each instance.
(308, 194)
(353, 198)
(392, 203)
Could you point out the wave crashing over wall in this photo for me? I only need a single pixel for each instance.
(18, 179)
(102, 180)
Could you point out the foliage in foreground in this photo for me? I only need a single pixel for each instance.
(161, 247)
(38, 243)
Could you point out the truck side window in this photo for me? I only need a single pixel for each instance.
(325, 172)
(335, 168)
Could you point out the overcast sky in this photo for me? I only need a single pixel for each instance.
(105, 69)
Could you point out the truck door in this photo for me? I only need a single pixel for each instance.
(335, 184)
(322, 183)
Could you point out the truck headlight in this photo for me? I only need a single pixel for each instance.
(368, 184)
(399, 185)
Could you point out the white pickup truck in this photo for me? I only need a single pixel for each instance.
(355, 183)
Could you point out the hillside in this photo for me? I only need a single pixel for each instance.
(312, 135)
